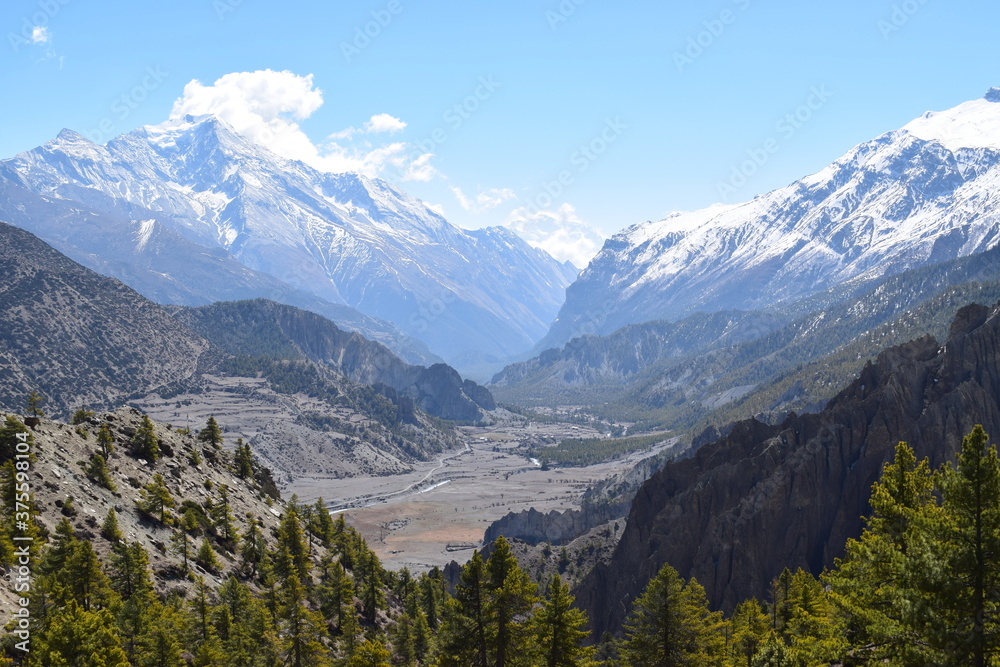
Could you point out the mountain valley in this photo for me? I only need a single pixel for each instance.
(273, 378)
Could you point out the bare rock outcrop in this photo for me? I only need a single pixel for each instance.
(764, 497)
(557, 527)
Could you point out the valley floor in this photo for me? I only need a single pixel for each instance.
(438, 513)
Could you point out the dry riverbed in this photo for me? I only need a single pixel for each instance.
(439, 512)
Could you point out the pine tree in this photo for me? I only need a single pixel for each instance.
(964, 612)
(252, 548)
(129, 574)
(182, 547)
(559, 628)
(222, 518)
(12, 434)
(463, 635)
(292, 556)
(61, 546)
(129, 570)
(243, 460)
(423, 637)
(322, 525)
(204, 638)
(106, 442)
(510, 597)
(84, 582)
(404, 651)
(144, 443)
(432, 596)
(872, 585)
(159, 643)
(269, 587)
(155, 499)
(235, 609)
(813, 632)
(81, 416)
(670, 625)
(372, 653)
(303, 631)
(98, 473)
(211, 434)
(372, 595)
(35, 401)
(751, 629)
(335, 592)
(75, 637)
(343, 542)
(6, 546)
(110, 529)
(207, 558)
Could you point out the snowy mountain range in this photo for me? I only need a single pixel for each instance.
(189, 212)
(925, 193)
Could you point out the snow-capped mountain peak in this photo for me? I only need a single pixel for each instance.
(345, 238)
(973, 124)
(928, 192)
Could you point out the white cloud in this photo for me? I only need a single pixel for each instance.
(267, 106)
(263, 106)
(40, 35)
(377, 124)
(383, 122)
(419, 168)
(561, 233)
(486, 200)
(437, 208)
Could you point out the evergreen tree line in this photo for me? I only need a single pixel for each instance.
(920, 587)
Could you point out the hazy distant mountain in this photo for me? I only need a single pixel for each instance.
(188, 207)
(83, 339)
(265, 328)
(922, 194)
(730, 365)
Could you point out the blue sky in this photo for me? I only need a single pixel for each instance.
(574, 119)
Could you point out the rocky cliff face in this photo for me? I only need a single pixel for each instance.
(768, 497)
(556, 527)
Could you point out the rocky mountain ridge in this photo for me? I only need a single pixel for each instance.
(910, 197)
(720, 367)
(180, 208)
(271, 329)
(320, 399)
(81, 338)
(62, 489)
(766, 497)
